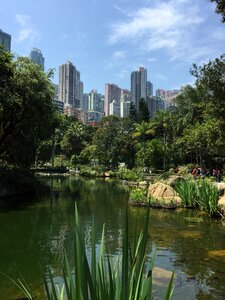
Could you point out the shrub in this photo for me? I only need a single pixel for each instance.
(130, 175)
(138, 195)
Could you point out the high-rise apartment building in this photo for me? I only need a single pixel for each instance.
(5, 40)
(138, 85)
(114, 108)
(95, 101)
(112, 92)
(70, 86)
(37, 57)
(149, 87)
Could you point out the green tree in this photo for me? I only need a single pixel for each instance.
(113, 141)
(142, 133)
(27, 116)
(163, 124)
(143, 113)
(133, 112)
(74, 139)
(220, 8)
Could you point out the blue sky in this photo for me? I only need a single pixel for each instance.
(108, 39)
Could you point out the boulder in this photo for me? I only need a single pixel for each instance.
(164, 194)
(221, 203)
(221, 187)
(143, 184)
(174, 179)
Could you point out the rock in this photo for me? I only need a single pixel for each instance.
(174, 179)
(221, 187)
(143, 184)
(164, 194)
(160, 276)
(221, 203)
(218, 254)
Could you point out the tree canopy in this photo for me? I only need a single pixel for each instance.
(27, 116)
(220, 8)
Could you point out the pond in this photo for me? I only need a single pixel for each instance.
(35, 231)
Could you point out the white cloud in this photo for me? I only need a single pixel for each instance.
(171, 25)
(151, 59)
(163, 18)
(22, 19)
(161, 77)
(26, 32)
(119, 54)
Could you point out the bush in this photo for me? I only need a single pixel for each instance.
(130, 175)
(138, 195)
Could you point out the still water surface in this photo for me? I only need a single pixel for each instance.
(35, 231)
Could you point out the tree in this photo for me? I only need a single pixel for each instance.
(220, 8)
(133, 112)
(27, 116)
(142, 133)
(143, 113)
(113, 141)
(74, 139)
(163, 124)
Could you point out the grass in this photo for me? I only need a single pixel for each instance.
(123, 277)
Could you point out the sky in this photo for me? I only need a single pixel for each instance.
(108, 39)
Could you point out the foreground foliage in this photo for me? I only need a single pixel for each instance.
(121, 277)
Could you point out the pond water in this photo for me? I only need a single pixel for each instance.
(35, 231)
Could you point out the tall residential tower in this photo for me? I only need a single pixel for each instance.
(138, 85)
(70, 86)
(112, 92)
(37, 57)
(5, 40)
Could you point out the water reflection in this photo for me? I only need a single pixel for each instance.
(35, 233)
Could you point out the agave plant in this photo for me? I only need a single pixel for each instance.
(105, 278)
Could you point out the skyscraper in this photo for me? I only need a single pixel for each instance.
(70, 86)
(138, 85)
(37, 57)
(5, 40)
(112, 92)
(149, 86)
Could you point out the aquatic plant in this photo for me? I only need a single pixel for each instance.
(104, 277)
(208, 197)
(187, 190)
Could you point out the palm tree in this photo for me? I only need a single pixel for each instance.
(163, 126)
(141, 134)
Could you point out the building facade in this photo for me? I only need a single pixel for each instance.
(70, 86)
(138, 85)
(114, 108)
(37, 57)
(5, 40)
(112, 92)
(149, 87)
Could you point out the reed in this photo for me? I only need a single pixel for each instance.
(208, 197)
(104, 277)
(187, 190)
